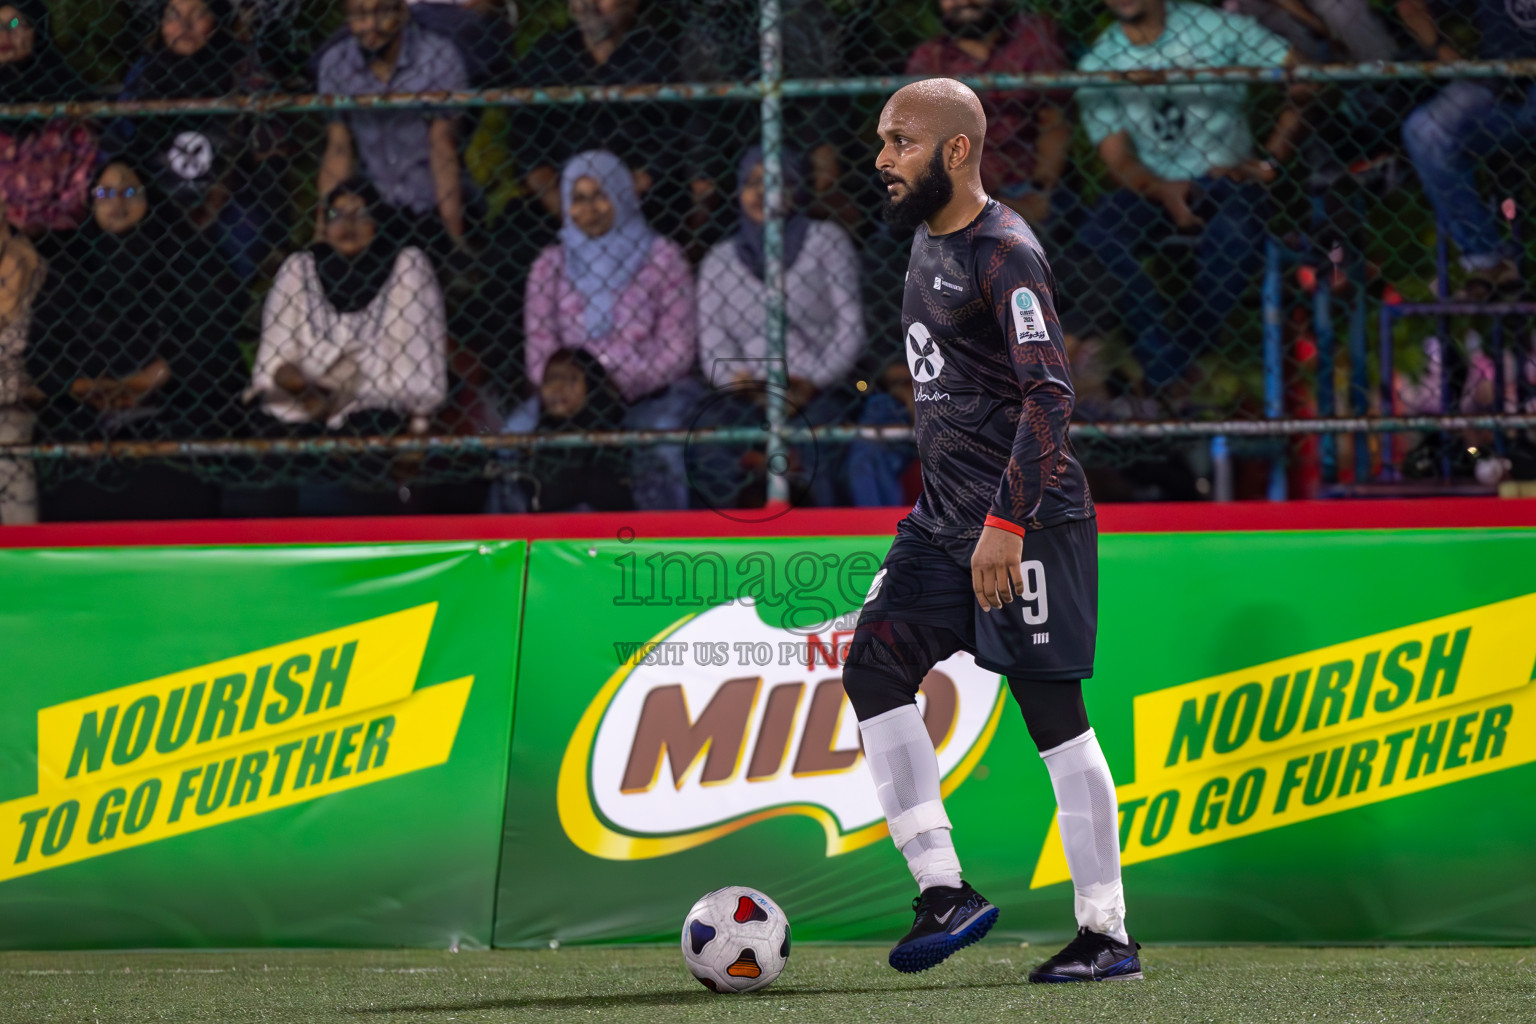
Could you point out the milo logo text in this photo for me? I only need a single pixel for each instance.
(675, 752)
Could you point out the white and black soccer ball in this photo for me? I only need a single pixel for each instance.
(735, 940)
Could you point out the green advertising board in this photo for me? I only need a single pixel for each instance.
(1317, 737)
(254, 745)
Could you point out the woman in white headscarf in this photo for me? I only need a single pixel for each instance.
(824, 330)
(624, 293)
(824, 335)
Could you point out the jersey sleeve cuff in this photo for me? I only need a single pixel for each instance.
(1003, 524)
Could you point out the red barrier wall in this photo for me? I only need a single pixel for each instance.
(1182, 517)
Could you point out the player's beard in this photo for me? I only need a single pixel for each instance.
(925, 197)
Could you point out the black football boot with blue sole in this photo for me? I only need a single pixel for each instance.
(1092, 956)
(948, 920)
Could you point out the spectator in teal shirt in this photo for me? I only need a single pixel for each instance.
(1183, 156)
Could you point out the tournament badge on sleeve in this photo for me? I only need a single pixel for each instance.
(1028, 320)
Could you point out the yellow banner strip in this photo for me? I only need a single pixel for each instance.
(233, 703)
(1299, 701)
(106, 814)
(1325, 731)
(1188, 811)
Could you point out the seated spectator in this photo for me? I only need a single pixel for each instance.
(139, 338)
(1183, 157)
(824, 332)
(354, 334)
(576, 394)
(824, 328)
(1466, 123)
(21, 275)
(205, 164)
(605, 45)
(45, 166)
(484, 32)
(1028, 134)
(624, 293)
(135, 341)
(411, 156)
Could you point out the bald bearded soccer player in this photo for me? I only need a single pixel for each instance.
(999, 557)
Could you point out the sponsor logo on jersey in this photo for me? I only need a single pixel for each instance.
(1028, 318)
(924, 359)
(222, 741)
(924, 395)
(1326, 731)
(939, 284)
(668, 757)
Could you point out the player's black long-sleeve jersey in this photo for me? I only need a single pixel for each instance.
(990, 376)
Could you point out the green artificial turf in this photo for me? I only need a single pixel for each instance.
(822, 983)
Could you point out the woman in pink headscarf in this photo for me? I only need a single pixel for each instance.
(624, 293)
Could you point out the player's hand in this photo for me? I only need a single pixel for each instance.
(995, 567)
(1174, 195)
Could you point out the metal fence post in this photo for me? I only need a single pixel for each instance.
(1274, 365)
(1388, 396)
(1327, 353)
(773, 248)
(1359, 368)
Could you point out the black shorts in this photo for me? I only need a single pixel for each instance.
(1049, 635)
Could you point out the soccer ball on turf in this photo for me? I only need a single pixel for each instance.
(735, 940)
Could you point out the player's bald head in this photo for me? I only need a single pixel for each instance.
(936, 111)
(930, 158)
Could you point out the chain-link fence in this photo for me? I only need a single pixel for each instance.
(266, 257)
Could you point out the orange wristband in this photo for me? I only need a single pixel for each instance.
(1003, 524)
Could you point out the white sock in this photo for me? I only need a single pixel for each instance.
(906, 773)
(1089, 817)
